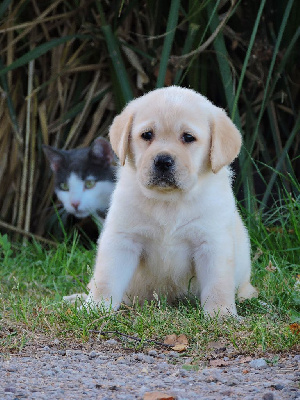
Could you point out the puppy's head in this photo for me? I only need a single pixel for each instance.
(172, 136)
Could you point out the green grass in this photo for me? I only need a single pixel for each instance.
(88, 59)
(248, 68)
(34, 279)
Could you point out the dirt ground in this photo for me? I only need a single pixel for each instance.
(104, 369)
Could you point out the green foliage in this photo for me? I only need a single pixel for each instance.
(5, 248)
(33, 280)
(88, 64)
(86, 61)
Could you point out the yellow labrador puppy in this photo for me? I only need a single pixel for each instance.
(173, 226)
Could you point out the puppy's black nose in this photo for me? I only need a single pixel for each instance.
(164, 162)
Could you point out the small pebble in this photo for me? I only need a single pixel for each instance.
(152, 353)
(111, 342)
(173, 354)
(259, 363)
(139, 356)
(10, 390)
(278, 386)
(11, 368)
(92, 354)
(183, 373)
(268, 396)
(73, 352)
(124, 375)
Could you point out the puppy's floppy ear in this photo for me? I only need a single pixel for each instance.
(119, 134)
(226, 141)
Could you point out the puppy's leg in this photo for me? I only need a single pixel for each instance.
(214, 264)
(246, 291)
(243, 263)
(117, 259)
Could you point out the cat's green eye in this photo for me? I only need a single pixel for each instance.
(64, 186)
(89, 183)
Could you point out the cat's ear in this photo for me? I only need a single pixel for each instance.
(119, 134)
(101, 152)
(54, 156)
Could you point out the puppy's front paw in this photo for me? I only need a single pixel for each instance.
(73, 298)
(104, 304)
(219, 311)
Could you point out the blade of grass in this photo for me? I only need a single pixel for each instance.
(192, 31)
(10, 105)
(267, 92)
(224, 66)
(25, 169)
(39, 51)
(194, 55)
(223, 62)
(4, 6)
(13, 228)
(250, 46)
(280, 162)
(279, 71)
(32, 161)
(284, 60)
(115, 54)
(74, 131)
(170, 32)
(75, 110)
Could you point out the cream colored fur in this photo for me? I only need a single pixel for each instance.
(173, 239)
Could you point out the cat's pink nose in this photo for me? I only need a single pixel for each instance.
(75, 204)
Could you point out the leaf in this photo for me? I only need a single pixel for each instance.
(158, 396)
(170, 339)
(295, 328)
(179, 347)
(179, 343)
(182, 339)
(142, 77)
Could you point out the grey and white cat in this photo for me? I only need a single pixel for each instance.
(84, 178)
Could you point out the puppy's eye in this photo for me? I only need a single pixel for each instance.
(148, 135)
(187, 138)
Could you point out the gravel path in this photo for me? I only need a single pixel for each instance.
(112, 374)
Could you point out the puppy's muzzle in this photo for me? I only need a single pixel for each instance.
(163, 171)
(163, 163)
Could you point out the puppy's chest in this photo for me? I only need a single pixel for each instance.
(167, 249)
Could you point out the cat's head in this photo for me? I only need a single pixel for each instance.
(84, 178)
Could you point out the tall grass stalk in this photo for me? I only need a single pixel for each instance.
(90, 59)
(170, 32)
